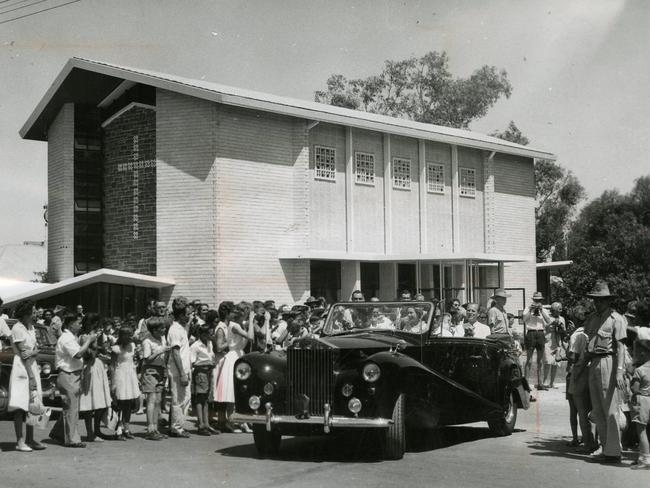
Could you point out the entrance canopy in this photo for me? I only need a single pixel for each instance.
(407, 257)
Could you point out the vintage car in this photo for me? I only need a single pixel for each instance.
(380, 366)
(45, 360)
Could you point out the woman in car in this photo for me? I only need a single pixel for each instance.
(412, 321)
(25, 380)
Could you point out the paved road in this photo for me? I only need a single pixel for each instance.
(464, 456)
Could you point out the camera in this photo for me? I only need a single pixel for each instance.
(536, 308)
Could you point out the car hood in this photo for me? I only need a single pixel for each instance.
(360, 340)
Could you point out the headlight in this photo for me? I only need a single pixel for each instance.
(354, 405)
(254, 402)
(243, 371)
(268, 389)
(46, 368)
(347, 390)
(371, 372)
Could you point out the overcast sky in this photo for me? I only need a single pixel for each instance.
(579, 69)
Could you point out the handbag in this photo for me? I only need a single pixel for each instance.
(37, 415)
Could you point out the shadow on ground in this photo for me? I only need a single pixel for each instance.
(556, 447)
(359, 446)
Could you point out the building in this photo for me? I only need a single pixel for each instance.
(237, 195)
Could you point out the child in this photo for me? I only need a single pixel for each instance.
(202, 358)
(125, 380)
(640, 386)
(154, 354)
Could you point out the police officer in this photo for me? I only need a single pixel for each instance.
(606, 329)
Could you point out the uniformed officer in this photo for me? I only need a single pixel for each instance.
(606, 330)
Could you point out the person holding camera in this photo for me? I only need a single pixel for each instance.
(535, 321)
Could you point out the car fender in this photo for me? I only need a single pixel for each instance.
(267, 366)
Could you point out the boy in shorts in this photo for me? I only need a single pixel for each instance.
(154, 354)
(640, 386)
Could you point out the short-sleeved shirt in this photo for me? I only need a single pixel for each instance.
(177, 337)
(534, 322)
(5, 331)
(20, 333)
(151, 346)
(602, 329)
(201, 353)
(642, 376)
(480, 331)
(578, 341)
(498, 321)
(66, 347)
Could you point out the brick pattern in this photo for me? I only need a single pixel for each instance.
(60, 186)
(130, 192)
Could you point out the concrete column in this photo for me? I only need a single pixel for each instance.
(387, 281)
(350, 278)
(426, 277)
(501, 275)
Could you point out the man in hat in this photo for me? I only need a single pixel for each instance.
(497, 316)
(606, 330)
(535, 321)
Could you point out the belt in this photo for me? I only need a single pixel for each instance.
(601, 354)
(70, 372)
(534, 330)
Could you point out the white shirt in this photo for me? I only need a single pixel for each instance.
(5, 331)
(66, 347)
(177, 337)
(151, 346)
(481, 331)
(201, 353)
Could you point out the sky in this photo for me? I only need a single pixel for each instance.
(579, 69)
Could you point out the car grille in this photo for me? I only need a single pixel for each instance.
(311, 373)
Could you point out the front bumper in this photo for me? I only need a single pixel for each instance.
(327, 421)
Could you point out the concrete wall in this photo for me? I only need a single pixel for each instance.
(470, 209)
(130, 201)
(60, 189)
(405, 235)
(438, 206)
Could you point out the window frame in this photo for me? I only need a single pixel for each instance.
(463, 190)
(398, 159)
(371, 174)
(321, 177)
(431, 164)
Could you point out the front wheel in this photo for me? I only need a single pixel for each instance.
(505, 425)
(395, 437)
(266, 443)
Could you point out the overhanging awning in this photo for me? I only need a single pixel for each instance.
(103, 275)
(403, 257)
(554, 264)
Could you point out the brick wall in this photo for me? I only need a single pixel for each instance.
(60, 185)
(130, 192)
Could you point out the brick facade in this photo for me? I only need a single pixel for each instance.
(130, 191)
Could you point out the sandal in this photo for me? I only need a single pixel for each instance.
(23, 448)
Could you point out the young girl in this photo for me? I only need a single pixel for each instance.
(95, 388)
(154, 355)
(125, 380)
(640, 386)
(202, 358)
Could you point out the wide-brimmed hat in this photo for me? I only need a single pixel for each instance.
(538, 295)
(312, 300)
(500, 292)
(600, 290)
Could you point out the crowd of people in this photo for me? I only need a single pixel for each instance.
(109, 367)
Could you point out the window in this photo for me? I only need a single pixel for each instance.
(325, 163)
(402, 173)
(435, 178)
(467, 182)
(364, 168)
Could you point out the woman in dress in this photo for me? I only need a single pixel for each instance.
(125, 379)
(25, 380)
(219, 323)
(95, 388)
(237, 338)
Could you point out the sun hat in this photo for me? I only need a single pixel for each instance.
(600, 290)
(538, 295)
(500, 292)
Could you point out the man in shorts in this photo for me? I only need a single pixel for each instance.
(535, 321)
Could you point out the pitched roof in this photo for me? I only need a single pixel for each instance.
(89, 81)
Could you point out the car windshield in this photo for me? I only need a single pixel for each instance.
(413, 317)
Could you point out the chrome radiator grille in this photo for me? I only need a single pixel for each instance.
(310, 374)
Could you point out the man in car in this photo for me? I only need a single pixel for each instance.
(474, 328)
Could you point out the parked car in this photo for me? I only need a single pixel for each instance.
(45, 360)
(378, 366)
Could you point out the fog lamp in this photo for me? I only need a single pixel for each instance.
(254, 402)
(243, 371)
(268, 389)
(354, 405)
(347, 390)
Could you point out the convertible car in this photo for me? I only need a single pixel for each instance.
(378, 366)
(45, 360)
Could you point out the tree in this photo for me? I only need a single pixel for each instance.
(610, 240)
(557, 195)
(421, 89)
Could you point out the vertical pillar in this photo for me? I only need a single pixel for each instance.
(387, 281)
(426, 278)
(349, 186)
(455, 200)
(350, 278)
(501, 275)
(423, 193)
(388, 178)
